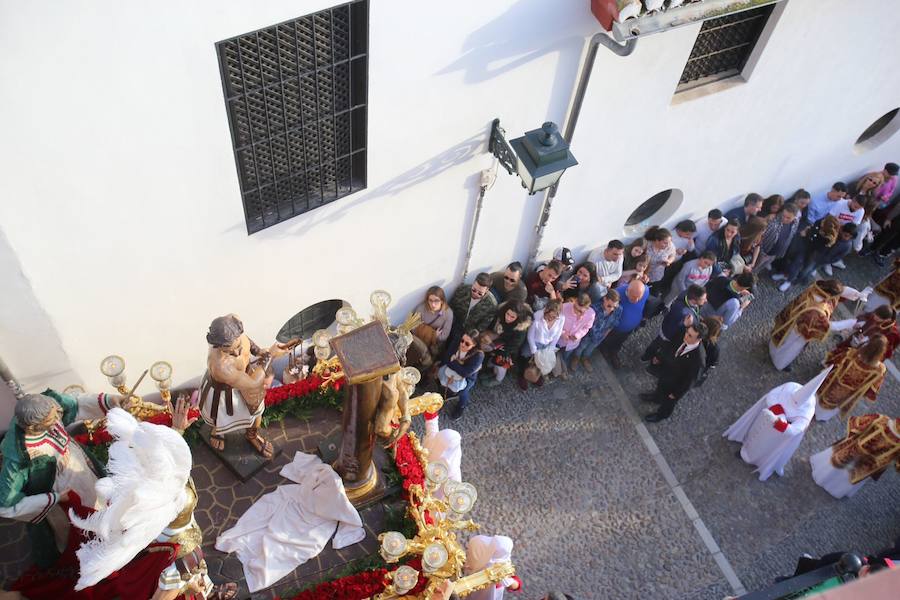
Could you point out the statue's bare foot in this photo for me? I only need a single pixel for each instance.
(262, 445)
(217, 442)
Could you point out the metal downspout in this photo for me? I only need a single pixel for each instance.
(471, 244)
(572, 119)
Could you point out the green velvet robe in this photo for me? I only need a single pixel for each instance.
(21, 476)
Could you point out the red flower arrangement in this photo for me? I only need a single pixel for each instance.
(298, 389)
(353, 587)
(408, 464)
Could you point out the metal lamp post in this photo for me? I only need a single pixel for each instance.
(539, 157)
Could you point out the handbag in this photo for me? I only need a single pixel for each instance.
(426, 333)
(738, 264)
(545, 359)
(532, 373)
(452, 382)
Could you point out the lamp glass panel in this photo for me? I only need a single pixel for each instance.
(545, 181)
(525, 174)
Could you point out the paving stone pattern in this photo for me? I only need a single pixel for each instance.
(762, 527)
(562, 470)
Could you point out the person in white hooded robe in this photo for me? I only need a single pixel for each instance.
(772, 429)
(444, 445)
(482, 551)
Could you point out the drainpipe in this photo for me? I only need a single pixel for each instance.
(471, 244)
(571, 120)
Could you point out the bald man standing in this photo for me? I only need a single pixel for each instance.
(633, 300)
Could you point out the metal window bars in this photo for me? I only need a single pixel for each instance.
(312, 318)
(724, 44)
(296, 95)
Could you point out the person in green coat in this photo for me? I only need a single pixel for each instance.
(43, 466)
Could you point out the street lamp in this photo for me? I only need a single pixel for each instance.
(539, 157)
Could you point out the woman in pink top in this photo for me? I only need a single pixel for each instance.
(579, 318)
(885, 191)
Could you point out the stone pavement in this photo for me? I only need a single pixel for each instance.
(602, 506)
(566, 474)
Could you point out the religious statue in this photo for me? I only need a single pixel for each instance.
(146, 542)
(233, 390)
(377, 403)
(43, 466)
(370, 364)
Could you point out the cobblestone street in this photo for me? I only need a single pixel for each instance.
(569, 473)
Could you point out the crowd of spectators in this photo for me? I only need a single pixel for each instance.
(701, 275)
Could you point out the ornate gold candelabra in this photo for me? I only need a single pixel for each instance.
(113, 366)
(442, 554)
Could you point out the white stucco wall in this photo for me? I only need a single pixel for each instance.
(823, 75)
(122, 207)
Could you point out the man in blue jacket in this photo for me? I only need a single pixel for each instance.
(633, 299)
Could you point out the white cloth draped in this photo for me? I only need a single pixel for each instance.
(835, 481)
(764, 446)
(481, 552)
(291, 525)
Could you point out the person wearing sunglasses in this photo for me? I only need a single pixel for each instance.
(508, 284)
(459, 369)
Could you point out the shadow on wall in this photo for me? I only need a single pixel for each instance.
(520, 36)
(455, 155)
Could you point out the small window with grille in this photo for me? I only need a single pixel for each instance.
(296, 96)
(723, 47)
(320, 315)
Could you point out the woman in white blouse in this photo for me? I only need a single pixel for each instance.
(544, 332)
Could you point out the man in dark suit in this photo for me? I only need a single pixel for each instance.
(685, 311)
(677, 364)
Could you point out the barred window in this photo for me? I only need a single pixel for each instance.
(312, 318)
(296, 95)
(723, 46)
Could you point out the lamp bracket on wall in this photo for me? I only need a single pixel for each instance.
(500, 148)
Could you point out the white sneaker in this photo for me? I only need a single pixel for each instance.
(778, 277)
(837, 265)
(814, 274)
(785, 286)
(828, 270)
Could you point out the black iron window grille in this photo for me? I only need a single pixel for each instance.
(296, 95)
(309, 320)
(723, 46)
